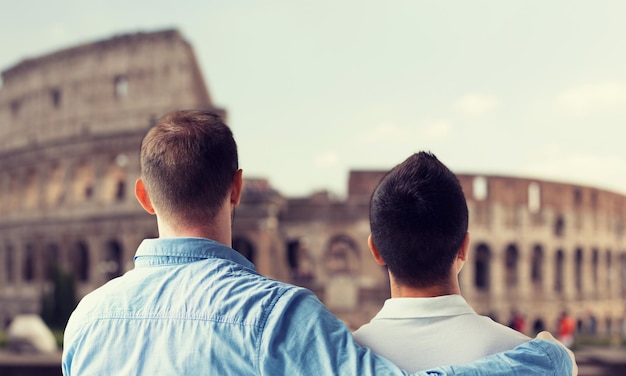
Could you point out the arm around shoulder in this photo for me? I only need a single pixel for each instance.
(541, 356)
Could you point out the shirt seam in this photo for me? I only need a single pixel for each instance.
(548, 354)
(263, 324)
(123, 315)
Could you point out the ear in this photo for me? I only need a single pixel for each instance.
(461, 255)
(142, 196)
(374, 250)
(237, 188)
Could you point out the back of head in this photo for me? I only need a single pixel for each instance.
(418, 219)
(188, 160)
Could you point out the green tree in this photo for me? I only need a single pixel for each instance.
(58, 303)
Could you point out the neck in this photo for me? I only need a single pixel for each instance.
(405, 291)
(218, 229)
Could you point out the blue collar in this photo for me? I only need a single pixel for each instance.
(170, 251)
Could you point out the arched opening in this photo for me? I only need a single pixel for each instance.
(559, 226)
(480, 188)
(609, 270)
(54, 186)
(558, 275)
(511, 256)
(31, 190)
(83, 182)
(623, 275)
(300, 267)
(29, 263)
(534, 198)
(481, 267)
(536, 272)
(9, 260)
(538, 326)
(594, 268)
(113, 260)
(114, 187)
(245, 247)
(342, 256)
(51, 261)
(81, 262)
(578, 270)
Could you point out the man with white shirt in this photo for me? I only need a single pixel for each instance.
(419, 220)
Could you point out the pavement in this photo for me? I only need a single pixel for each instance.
(601, 361)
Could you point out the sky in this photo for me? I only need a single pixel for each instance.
(314, 89)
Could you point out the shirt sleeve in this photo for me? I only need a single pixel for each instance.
(537, 357)
(301, 337)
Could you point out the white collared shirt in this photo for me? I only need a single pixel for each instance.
(420, 333)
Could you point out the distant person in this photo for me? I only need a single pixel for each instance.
(538, 326)
(567, 327)
(517, 322)
(194, 306)
(419, 221)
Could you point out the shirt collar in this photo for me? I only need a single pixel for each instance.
(181, 250)
(404, 308)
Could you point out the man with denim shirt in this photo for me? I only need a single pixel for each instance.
(193, 305)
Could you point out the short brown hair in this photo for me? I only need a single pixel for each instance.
(188, 160)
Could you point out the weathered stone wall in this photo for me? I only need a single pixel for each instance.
(537, 247)
(71, 123)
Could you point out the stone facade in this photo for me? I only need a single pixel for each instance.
(71, 123)
(70, 127)
(537, 248)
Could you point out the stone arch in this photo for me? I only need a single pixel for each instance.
(534, 197)
(245, 247)
(80, 258)
(537, 265)
(14, 193)
(9, 263)
(559, 264)
(511, 257)
(482, 267)
(112, 265)
(342, 256)
(622, 274)
(28, 264)
(83, 182)
(51, 261)
(578, 270)
(55, 194)
(114, 185)
(299, 261)
(608, 274)
(559, 226)
(594, 267)
(31, 189)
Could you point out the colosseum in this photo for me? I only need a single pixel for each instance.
(70, 127)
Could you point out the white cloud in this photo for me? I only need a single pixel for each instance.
(326, 159)
(592, 97)
(476, 104)
(554, 163)
(394, 134)
(435, 130)
(385, 132)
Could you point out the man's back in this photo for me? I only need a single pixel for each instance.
(194, 306)
(420, 333)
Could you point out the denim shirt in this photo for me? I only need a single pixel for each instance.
(193, 306)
